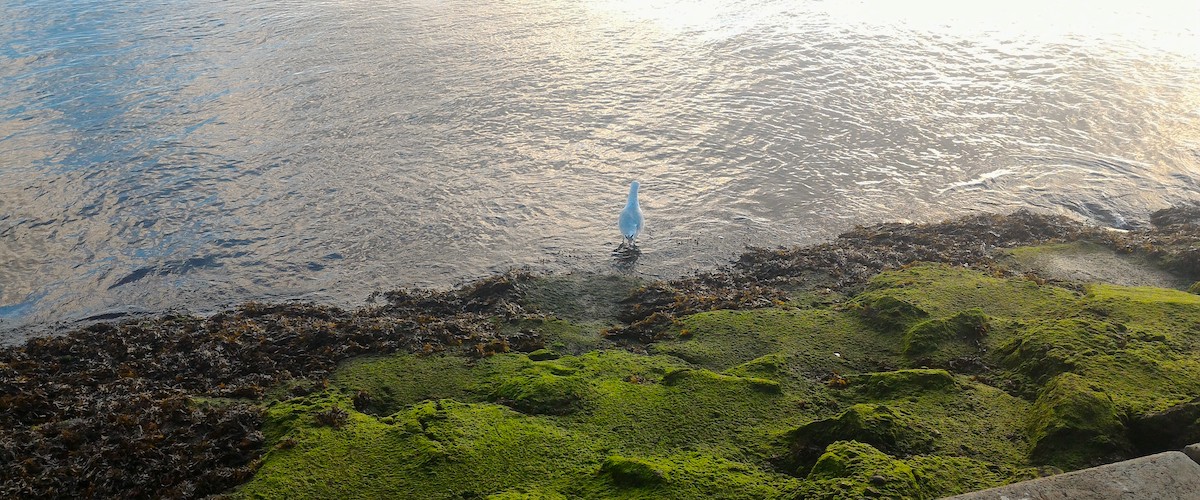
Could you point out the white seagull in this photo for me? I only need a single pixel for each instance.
(630, 220)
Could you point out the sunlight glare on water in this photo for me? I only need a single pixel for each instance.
(158, 155)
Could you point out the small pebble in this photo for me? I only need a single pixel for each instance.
(877, 479)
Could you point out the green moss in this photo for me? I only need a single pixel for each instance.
(771, 366)
(902, 382)
(939, 476)
(632, 472)
(846, 469)
(964, 417)
(942, 291)
(396, 381)
(684, 375)
(821, 340)
(543, 355)
(957, 335)
(527, 493)
(1195, 288)
(475, 449)
(1142, 295)
(684, 475)
(878, 425)
(545, 393)
(756, 404)
(1073, 425)
(890, 312)
(853, 470)
(1045, 350)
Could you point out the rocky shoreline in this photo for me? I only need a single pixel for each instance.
(186, 406)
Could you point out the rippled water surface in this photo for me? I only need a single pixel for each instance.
(191, 154)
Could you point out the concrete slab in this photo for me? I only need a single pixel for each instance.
(1168, 476)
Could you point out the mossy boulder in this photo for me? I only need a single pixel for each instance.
(543, 355)
(957, 335)
(881, 426)
(1074, 425)
(545, 394)
(525, 493)
(852, 469)
(771, 366)
(1195, 288)
(902, 382)
(684, 375)
(890, 312)
(1169, 429)
(632, 472)
(1044, 350)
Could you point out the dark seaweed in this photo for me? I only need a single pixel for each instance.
(109, 410)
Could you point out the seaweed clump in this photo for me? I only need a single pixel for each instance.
(1173, 240)
(111, 409)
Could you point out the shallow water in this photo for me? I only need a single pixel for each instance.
(192, 154)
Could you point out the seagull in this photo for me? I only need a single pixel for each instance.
(630, 220)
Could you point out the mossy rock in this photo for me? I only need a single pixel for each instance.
(1195, 288)
(1045, 350)
(879, 425)
(852, 469)
(902, 382)
(890, 313)
(1170, 429)
(771, 366)
(961, 333)
(543, 355)
(632, 472)
(683, 375)
(702, 416)
(1073, 425)
(545, 394)
(524, 493)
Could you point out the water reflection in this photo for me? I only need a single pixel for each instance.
(195, 154)
(625, 257)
